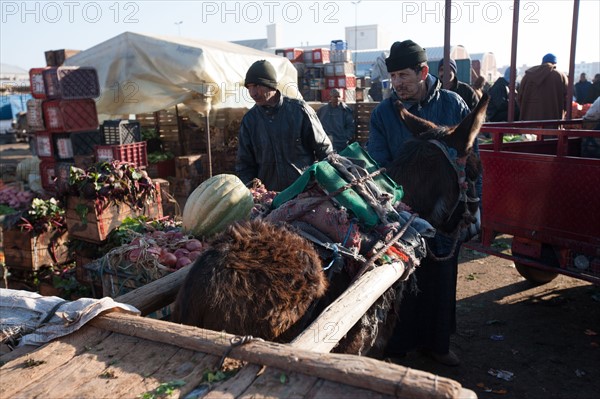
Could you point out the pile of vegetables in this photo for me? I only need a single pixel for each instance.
(263, 199)
(114, 182)
(41, 216)
(152, 255)
(15, 198)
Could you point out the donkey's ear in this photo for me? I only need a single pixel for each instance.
(415, 125)
(463, 135)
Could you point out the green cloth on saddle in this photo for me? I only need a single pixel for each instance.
(330, 180)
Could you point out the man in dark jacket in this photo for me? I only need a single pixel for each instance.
(594, 91)
(465, 91)
(543, 92)
(337, 120)
(279, 136)
(426, 319)
(497, 110)
(581, 88)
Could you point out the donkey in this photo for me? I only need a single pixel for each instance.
(260, 279)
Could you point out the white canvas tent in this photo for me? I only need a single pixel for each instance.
(144, 73)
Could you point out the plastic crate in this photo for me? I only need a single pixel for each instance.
(346, 82)
(338, 45)
(54, 145)
(36, 80)
(320, 56)
(48, 175)
(294, 54)
(135, 153)
(71, 82)
(70, 115)
(35, 116)
(84, 142)
(343, 68)
(121, 131)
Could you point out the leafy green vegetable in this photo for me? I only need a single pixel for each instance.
(163, 390)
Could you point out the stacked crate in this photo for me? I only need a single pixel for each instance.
(122, 142)
(63, 116)
(339, 74)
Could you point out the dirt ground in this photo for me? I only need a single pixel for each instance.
(544, 337)
(541, 342)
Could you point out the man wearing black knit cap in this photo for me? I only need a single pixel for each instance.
(427, 319)
(279, 136)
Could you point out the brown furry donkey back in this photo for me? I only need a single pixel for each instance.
(254, 279)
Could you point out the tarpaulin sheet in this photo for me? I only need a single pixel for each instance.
(146, 73)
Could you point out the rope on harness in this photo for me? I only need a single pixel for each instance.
(384, 249)
(238, 340)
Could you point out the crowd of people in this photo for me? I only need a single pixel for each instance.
(281, 136)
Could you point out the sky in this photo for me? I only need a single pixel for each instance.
(28, 29)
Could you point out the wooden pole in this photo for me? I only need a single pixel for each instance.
(323, 334)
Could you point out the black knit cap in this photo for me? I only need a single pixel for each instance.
(406, 54)
(262, 73)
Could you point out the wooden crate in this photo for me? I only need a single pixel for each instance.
(362, 117)
(23, 250)
(97, 226)
(181, 187)
(192, 167)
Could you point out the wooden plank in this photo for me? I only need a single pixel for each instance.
(129, 365)
(347, 309)
(329, 389)
(269, 384)
(362, 372)
(70, 379)
(236, 385)
(52, 355)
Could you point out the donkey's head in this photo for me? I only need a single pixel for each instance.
(438, 168)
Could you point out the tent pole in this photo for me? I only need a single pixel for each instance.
(513, 63)
(208, 149)
(569, 98)
(446, 65)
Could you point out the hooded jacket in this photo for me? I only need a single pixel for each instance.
(277, 143)
(543, 93)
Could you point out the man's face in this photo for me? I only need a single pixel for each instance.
(262, 95)
(441, 73)
(406, 82)
(582, 77)
(334, 100)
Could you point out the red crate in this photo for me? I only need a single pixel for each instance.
(48, 175)
(63, 170)
(35, 116)
(70, 115)
(320, 56)
(71, 82)
(36, 80)
(346, 82)
(54, 145)
(294, 54)
(135, 153)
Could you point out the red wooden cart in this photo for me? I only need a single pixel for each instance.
(546, 194)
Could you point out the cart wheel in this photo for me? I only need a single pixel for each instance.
(535, 275)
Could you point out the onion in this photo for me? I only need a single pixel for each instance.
(168, 259)
(181, 262)
(194, 255)
(181, 253)
(193, 245)
(134, 255)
